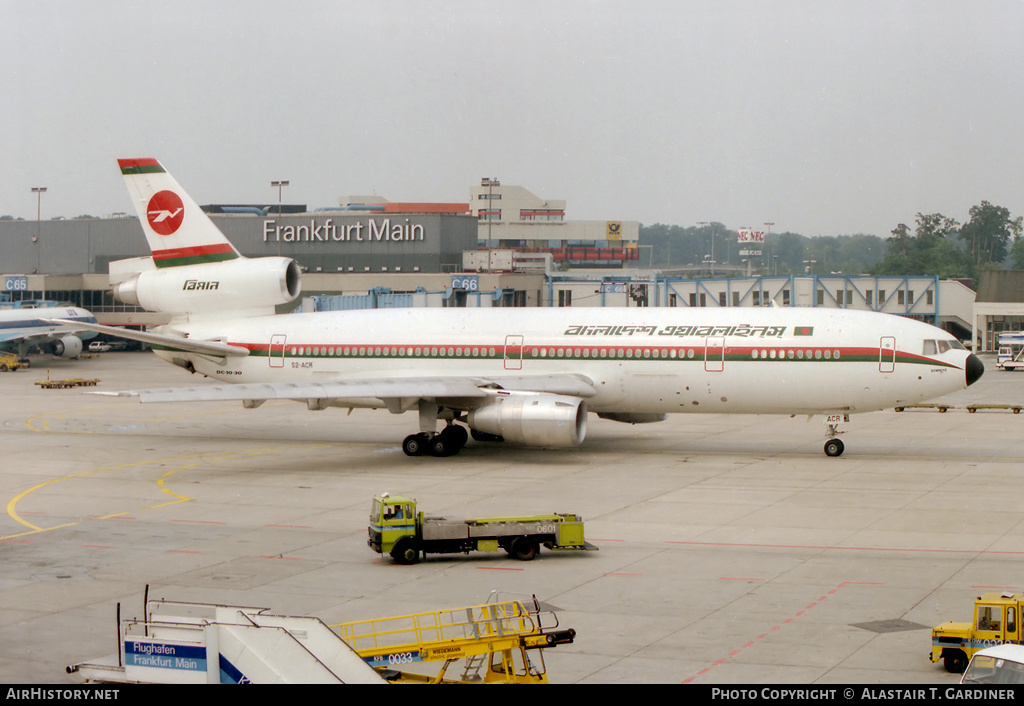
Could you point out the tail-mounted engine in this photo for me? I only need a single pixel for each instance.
(254, 285)
(533, 420)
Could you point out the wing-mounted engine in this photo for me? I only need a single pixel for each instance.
(533, 420)
(64, 347)
(240, 286)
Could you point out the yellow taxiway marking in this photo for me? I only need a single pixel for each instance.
(195, 460)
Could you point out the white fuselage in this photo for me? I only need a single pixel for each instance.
(25, 324)
(640, 360)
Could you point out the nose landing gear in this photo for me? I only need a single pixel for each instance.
(833, 445)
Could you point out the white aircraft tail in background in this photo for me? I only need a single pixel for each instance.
(526, 375)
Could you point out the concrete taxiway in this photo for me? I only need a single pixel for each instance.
(732, 550)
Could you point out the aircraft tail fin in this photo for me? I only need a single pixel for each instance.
(177, 230)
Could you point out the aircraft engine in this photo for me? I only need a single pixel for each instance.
(232, 285)
(66, 347)
(533, 420)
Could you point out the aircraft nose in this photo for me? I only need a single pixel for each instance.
(974, 369)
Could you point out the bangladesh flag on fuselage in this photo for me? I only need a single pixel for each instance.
(803, 330)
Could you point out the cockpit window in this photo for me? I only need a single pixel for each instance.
(931, 347)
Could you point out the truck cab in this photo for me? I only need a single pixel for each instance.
(392, 517)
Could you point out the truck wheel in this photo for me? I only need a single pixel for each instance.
(405, 552)
(954, 661)
(524, 549)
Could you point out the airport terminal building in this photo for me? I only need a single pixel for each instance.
(367, 248)
(505, 247)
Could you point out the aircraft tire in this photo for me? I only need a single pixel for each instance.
(449, 442)
(415, 444)
(834, 447)
(440, 446)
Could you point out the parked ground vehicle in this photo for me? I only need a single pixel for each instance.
(1011, 350)
(399, 529)
(9, 361)
(498, 642)
(996, 622)
(996, 665)
(99, 347)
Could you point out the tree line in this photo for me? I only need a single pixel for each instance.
(937, 245)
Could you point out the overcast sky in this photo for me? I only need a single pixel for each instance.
(822, 116)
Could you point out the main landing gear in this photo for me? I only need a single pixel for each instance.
(447, 442)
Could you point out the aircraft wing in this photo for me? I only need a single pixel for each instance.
(565, 384)
(40, 336)
(178, 343)
(382, 389)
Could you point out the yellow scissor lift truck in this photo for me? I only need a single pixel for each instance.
(399, 529)
(996, 622)
(496, 643)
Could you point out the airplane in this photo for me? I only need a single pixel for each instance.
(525, 375)
(23, 327)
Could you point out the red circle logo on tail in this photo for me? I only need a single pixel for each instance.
(165, 212)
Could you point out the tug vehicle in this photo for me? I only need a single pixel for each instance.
(399, 529)
(996, 622)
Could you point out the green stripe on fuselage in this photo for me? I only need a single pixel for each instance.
(195, 259)
(142, 169)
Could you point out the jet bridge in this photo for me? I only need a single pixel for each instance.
(193, 643)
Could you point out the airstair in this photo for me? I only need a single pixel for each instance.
(194, 643)
(199, 643)
(493, 641)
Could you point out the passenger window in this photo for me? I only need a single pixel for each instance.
(929, 347)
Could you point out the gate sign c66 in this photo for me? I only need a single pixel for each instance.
(468, 282)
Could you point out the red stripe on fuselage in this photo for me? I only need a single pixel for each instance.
(194, 251)
(855, 354)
